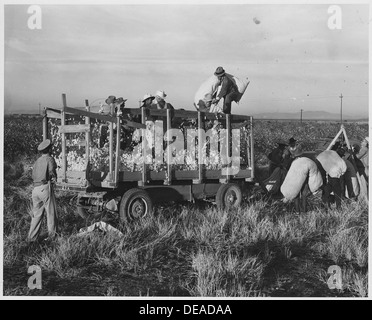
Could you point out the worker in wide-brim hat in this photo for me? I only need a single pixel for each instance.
(160, 102)
(43, 200)
(276, 156)
(229, 90)
(147, 100)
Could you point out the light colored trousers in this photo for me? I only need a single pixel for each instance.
(43, 201)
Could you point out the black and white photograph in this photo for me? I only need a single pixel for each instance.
(185, 150)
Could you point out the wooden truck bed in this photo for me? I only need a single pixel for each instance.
(169, 174)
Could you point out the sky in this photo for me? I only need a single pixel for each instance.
(291, 56)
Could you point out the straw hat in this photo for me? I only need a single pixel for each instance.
(44, 145)
(160, 94)
(145, 97)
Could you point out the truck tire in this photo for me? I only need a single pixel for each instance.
(229, 196)
(135, 205)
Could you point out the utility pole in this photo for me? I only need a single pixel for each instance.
(301, 115)
(341, 96)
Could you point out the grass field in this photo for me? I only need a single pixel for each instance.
(262, 249)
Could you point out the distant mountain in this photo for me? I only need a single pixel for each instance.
(306, 115)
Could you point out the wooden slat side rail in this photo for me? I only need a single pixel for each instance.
(63, 138)
(52, 114)
(228, 144)
(45, 125)
(169, 154)
(74, 128)
(117, 150)
(91, 114)
(87, 137)
(133, 124)
(252, 149)
(200, 146)
(144, 146)
(53, 110)
(111, 146)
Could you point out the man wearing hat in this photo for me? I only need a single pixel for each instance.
(276, 156)
(362, 155)
(160, 100)
(43, 200)
(229, 91)
(288, 153)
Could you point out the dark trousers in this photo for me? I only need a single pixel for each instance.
(333, 184)
(228, 99)
(300, 202)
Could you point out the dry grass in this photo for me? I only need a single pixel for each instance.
(260, 249)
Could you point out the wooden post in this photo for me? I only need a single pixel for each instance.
(252, 149)
(111, 146)
(87, 137)
(144, 145)
(169, 154)
(228, 145)
(117, 152)
(63, 138)
(200, 146)
(45, 125)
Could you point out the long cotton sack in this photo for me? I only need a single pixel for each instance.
(208, 87)
(332, 163)
(300, 169)
(242, 85)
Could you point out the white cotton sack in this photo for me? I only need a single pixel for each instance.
(300, 169)
(332, 163)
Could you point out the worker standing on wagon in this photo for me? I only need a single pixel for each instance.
(44, 176)
(229, 90)
(160, 102)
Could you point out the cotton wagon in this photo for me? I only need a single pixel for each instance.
(172, 155)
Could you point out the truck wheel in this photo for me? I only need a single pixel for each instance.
(228, 196)
(135, 205)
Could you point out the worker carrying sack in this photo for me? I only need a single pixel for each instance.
(241, 84)
(300, 169)
(272, 184)
(206, 92)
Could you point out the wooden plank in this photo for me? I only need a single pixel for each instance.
(228, 141)
(111, 146)
(117, 149)
(87, 135)
(90, 114)
(186, 175)
(144, 146)
(251, 162)
(63, 139)
(53, 110)
(169, 156)
(132, 111)
(244, 173)
(52, 114)
(200, 146)
(45, 125)
(74, 128)
(133, 124)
